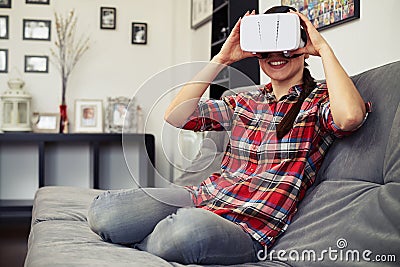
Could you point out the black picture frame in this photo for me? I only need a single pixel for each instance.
(108, 18)
(139, 33)
(38, 2)
(3, 60)
(325, 14)
(5, 3)
(4, 28)
(34, 29)
(36, 64)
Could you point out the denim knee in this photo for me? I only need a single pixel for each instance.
(194, 235)
(99, 220)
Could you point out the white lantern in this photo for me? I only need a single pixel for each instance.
(16, 103)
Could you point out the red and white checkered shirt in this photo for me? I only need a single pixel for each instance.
(262, 179)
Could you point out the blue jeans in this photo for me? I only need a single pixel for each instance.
(164, 222)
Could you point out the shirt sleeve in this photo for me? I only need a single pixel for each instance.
(327, 123)
(212, 115)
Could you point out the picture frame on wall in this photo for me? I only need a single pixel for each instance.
(34, 29)
(3, 60)
(88, 116)
(139, 33)
(45, 122)
(37, 64)
(4, 27)
(201, 12)
(108, 18)
(325, 14)
(38, 2)
(120, 114)
(5, 3)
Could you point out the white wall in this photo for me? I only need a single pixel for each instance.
(361, 44)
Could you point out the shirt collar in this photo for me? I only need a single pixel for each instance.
(293, 91)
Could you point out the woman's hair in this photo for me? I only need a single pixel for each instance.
(286, 123)
(309, 84)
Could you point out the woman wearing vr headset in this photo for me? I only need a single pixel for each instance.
(279, 136)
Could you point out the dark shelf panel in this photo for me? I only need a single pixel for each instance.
(78, 137)
(220, 6)
(15, 203)
(225, 14)
(218, 42)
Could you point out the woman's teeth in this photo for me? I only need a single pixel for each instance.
(277, 63)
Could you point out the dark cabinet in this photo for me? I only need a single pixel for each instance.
(25, 157)
(245, 72)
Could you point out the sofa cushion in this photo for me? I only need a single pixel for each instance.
(72, 243)
(361, 156)
(62, 203)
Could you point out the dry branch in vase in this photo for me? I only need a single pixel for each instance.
(68, 50)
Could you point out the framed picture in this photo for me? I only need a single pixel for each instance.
(36, 29)
(139, 33)
(4, 60)
(5, 3)
(39, 2)
(46, 122)
(108, 18)
(327, 13)
(120, 114)
(3, 27)
(37, 64)
(88, 116)
(201, 12)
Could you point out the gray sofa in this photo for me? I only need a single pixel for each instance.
(353, 208)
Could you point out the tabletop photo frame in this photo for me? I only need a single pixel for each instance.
(45, 122)
(120, 115)
(325, 14)
(88, 116)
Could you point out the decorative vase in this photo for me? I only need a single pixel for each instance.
(63, 119)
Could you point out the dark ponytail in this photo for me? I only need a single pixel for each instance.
(286, 123)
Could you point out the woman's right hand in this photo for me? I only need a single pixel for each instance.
(231, 50)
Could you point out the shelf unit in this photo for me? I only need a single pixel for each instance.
(225, 15)
(97, 143)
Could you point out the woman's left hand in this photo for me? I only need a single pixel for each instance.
(315, 42)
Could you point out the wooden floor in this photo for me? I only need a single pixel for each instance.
(13, 243)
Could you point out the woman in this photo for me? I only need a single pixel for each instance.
(279, 135)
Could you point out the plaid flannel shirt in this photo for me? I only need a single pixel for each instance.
(262, 179)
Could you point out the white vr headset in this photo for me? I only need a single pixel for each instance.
(277, 32)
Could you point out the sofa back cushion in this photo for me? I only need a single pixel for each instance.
(361, 156)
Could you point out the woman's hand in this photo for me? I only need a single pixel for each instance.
(316, 44)
(231, 50)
